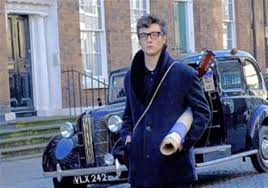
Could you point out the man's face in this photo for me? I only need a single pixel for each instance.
(151, 40)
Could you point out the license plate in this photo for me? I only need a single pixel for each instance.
(92, 178)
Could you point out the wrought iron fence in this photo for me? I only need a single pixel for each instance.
(82, 91)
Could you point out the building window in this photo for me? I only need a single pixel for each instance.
(93, 42)
(184, 25)
(229, 40)
(138, 8)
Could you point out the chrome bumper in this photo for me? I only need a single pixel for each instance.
(59, 173)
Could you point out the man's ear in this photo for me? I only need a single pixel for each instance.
(165, 39)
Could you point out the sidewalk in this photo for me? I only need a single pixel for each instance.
(23, 173)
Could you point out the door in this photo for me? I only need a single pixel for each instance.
(234, 103)
(19, 63)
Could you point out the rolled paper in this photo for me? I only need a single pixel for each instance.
(186, 119)
(172, 142)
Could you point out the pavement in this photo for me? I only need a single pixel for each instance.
(23, 174)
(232, 174)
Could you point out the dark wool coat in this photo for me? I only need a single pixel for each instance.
(147, 166)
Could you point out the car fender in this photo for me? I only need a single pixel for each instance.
(59, 150)
(256, 121)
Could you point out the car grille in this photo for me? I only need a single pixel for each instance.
(95, 137)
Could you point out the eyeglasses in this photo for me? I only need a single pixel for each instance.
(153, 35)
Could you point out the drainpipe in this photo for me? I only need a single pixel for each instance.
(254, 28)
(265, 33)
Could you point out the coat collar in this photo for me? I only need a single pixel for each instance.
(138, 72)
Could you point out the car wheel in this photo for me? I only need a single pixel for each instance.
(260, 160)
(67, 182)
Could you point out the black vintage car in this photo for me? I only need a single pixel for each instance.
(236, 92)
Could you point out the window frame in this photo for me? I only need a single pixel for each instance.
(233, 26)
(103, 51)
(133, 32)
(190, 35)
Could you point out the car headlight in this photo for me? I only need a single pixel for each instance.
(67, 130)
(114, 123)
(109, 159)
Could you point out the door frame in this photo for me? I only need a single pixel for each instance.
(44, 37)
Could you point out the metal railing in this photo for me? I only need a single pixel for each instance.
(82, 91)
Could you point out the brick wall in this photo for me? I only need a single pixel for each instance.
(260, 35)
(165, 11)
(69, 34)
(266, 52)
(244, 29)
(243, 25)
(4, 76)
(118, 36)
(208, 24)
(69, 40)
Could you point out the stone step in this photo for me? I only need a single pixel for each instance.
(22, 151)
(26, 140)
(26, 137)
(9, 133)
(37, 121)
(21, 157)
(26, 113)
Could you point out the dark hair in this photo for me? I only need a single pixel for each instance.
(147, 20)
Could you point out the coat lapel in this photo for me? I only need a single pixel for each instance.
(138, 70)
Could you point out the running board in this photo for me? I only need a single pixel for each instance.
(232, 157)
(211, 153)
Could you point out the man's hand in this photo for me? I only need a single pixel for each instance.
(128, 140)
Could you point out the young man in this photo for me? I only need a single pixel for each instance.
(148, 167)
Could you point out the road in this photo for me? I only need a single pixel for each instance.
(232, 174)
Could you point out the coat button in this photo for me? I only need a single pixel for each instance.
(148, 128)
(147, 156)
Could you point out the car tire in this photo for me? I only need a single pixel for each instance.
(67, 182)
(260, 159)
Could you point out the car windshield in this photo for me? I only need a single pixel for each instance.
(116, 90)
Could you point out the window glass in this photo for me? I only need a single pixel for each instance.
(117, 90)
(228, 24)
(21, 39)
(10, 40)
(251, 76)
(138, 8)
(92, 37)
(230, 75)
(183, 25)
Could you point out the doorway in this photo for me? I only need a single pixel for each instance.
(19, 63)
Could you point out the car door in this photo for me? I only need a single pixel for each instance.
(234, 102)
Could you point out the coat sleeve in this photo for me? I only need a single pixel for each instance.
(201, 112)
(127, 125)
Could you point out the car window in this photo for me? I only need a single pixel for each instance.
(117, 90)
(230, 74)
(251, 75)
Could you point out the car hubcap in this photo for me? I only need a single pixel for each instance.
(264, 148)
